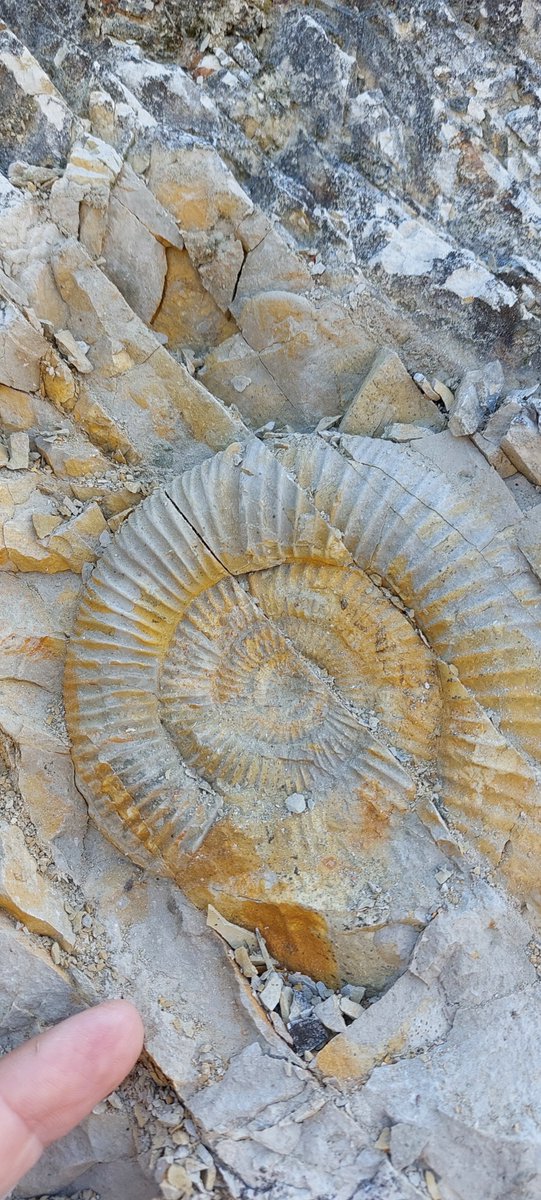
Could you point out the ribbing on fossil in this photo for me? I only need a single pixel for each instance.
(315, 621)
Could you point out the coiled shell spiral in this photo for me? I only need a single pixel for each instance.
(304, 620)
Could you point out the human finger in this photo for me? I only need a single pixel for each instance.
(54, 1080)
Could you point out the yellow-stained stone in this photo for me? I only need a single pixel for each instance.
(102, 428)
(77, 541)
(188, 314)
(386, 396)
(194, 184)
(138, 400)
(494, 455)
(118, 519)
(16, 489)
(25, 893)
(111, 500)
(235, 373)
(65, 548)
(45, 523)
(72, 457)
(270, 266)
(57, 381)
(408, 1018)
(24, 551)
(126, 245)
(17, 409)
(316, 354)
(522, 444)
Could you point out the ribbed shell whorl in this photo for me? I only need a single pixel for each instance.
(299, 619)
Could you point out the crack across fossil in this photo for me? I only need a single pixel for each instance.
(316, 675)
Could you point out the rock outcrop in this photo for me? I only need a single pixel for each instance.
(270, 570)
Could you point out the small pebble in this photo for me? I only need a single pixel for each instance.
(384, 1140)
(425, 386)
(328, 1012)
(296, 803)
(350, 1008)
(270, 996)
(354, 992)
(286, 998)
(243, 960)
(308, 1034)
(443, 392)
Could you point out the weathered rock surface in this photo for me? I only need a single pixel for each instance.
(27, 895)
(476, 396)
(225, 239)
(522, 445)
(388, 395)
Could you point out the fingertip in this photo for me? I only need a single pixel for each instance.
(124, 1016)
(51, 1082)
(115, 1025)
(124, 1012)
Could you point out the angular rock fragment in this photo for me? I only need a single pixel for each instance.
(330, 1015)
(25, 411)
(71, 457)
(137, 399)
(187, 313)
(236, 373)
(19, 450)
(522, 444)
(408, 1018)
(25, 893)
(270, 994)
(475, 397)
(528, 534)
(315, 70)
(48, 124)
(33, 992)
(308, 1033)
(407, 1143)
(77, 541)
(234, 935)
(45, 523)
(403, 433)
(57, 381)
(79, 199)
(389, 397)
(73, 351)
(21, 349)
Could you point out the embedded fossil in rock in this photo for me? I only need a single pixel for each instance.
(245, 637)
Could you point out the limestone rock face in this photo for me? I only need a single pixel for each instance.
(270, 588)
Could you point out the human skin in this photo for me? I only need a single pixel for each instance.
(54, 1080)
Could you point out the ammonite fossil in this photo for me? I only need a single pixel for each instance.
(304, 620)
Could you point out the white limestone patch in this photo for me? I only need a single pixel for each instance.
(412, 249)
(475, 282)
(34, 82)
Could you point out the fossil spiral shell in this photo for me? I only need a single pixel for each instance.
(310, 621)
